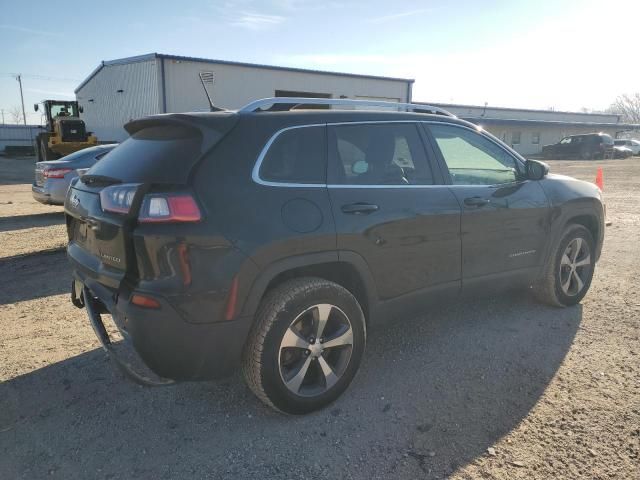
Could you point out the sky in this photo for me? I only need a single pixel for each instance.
(561, 54)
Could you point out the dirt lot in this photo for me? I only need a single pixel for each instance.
(490, 388)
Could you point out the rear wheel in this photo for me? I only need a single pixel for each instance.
(568, 274)
(585, 154)
(306, 345)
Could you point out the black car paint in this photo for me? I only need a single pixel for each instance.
(419, 242)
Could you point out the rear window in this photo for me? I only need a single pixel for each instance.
(163, 154)
(606, 139)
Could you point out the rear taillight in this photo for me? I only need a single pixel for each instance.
(56, 172)
(156, 207)
(169, 207)
(118, 198)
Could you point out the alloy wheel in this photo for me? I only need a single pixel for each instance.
(575, 265)
(315, 350)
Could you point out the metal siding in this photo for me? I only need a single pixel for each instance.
(235, 86)
(110, 110)
(18, 135)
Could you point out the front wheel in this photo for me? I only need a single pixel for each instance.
(305, 346)
(568, 274)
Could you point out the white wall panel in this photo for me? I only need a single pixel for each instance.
(106, 109)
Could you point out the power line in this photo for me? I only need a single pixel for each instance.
(40, 77)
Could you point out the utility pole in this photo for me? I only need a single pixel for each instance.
(24, 116)
(2, 111)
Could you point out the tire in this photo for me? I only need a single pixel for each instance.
(276, 373)
(45, 153)
(585, 154)
(551, 287)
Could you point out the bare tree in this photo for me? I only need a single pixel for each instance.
(16, 114)
(628, 106)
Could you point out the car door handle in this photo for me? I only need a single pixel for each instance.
(475, 201)
(359, 208)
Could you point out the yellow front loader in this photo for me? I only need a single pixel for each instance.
(65, 131)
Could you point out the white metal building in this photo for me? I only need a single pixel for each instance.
(528, 130)
(18, 136)
(121, 90)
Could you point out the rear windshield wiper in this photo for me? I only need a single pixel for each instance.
(89, 179)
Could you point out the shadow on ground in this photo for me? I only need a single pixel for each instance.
(34, 275)
(20, 222)
(450, 383)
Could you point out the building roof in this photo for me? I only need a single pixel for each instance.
(153, 56)
(550, 123)
(513, 109)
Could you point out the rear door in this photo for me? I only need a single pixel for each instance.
(504, 218)
(388, 208)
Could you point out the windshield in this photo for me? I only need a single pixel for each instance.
(64, 110)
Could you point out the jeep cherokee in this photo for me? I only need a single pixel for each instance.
(271, 237)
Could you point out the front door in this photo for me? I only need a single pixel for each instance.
(504, 224)
(387, 208)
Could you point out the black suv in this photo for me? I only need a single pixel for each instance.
(585, 147)
(271, 239)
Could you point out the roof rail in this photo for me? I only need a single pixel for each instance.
(294, 102)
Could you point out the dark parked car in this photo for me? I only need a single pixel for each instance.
(585, 147)
(273, 239)
(52, 178)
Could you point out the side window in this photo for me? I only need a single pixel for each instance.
(473, 159)
(297, 155)
(377, 154)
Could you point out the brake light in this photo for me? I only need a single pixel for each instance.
(169, 207)
(56, 172)
(118, 198)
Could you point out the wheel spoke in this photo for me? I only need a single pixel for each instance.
(292, 339)
(298, 378)
(321, 315)
(329, 376)
(345, 338)
(578, 280)
(565, 260)
(566, 285)
(585, 261)
(576, 250)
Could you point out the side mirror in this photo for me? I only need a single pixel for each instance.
(35, 107)
(536, 170)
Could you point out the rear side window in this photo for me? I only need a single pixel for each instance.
(297, 155)
(377, 154)
(154, 154)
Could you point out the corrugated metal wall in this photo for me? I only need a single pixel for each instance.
(18, 135)
(118, 94)
(235, 86)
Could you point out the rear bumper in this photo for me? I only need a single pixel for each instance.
(170, 347)
(51, 193)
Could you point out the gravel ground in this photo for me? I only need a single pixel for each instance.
(499, 388)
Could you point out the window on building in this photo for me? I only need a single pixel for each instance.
(473, 159)
(377, 154)
(296, 156)
(535, 138)
(515, 138)
(292, 93)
